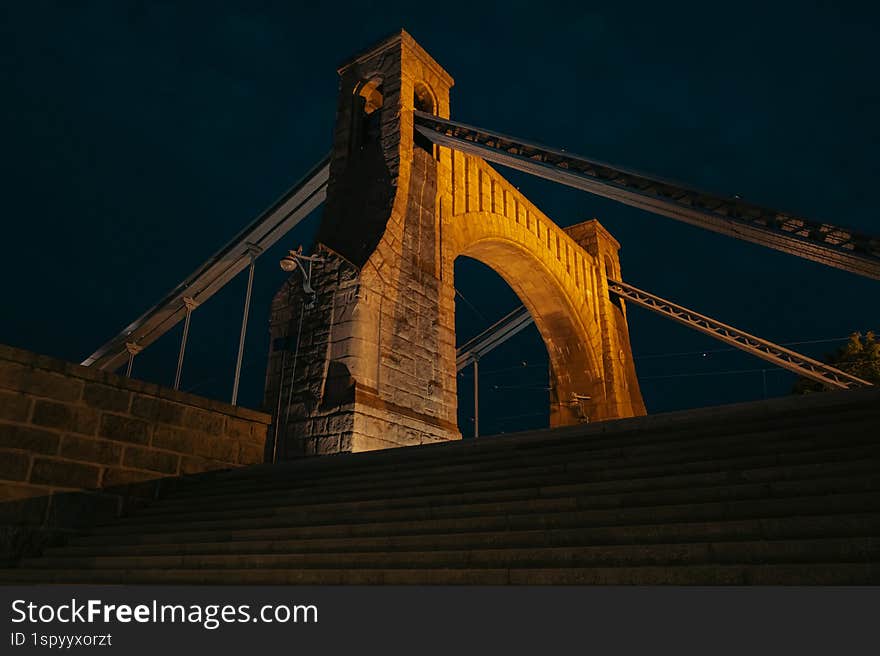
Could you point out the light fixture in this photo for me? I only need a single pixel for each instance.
(291, 260)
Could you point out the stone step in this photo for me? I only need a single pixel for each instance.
(818, 573)
(294, 515)
(828, 411)
(764, 493)
(853, 549)
(787, 451)
(393, 497)
(728, 469)
(859, 502)
(808, 526)
(270, 478)
(578, 475)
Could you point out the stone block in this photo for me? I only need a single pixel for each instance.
(361, 443)
(260, 433)
(202, 420)
(64, 473)
(85, 449)
(116, 478)
(125, 429)
(174, 439)
(34, 440)
(158, 410)
(327, 445)
(216, 448)
(66, 417)
(38, 382)
(14, 466)
(250, 454)
(14, 406)
(105, 397)
(238, 429)
(151, 459)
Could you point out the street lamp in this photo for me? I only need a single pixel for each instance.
(296, 260)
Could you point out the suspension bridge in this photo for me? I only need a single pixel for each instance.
(364, 358)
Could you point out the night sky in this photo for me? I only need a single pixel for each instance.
(139, 137)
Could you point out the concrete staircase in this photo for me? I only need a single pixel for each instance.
(776, 492)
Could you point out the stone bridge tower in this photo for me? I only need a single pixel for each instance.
(367, 361)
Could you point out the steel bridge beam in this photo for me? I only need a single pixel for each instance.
(218, 270)
(778, 355)
(492, 337)
(501, 331)
(821, 242)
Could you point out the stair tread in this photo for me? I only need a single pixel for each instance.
(298, 516)
(857, 549)
(762, 494)
(854, 502)
(270, 481)
(657, 484)
(774, 528)
(781, 573)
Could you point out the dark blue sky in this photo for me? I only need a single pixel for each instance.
(138, 137)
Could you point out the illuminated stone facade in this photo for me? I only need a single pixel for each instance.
(371, 355)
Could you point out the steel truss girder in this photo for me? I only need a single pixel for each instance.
(492, 337)
(778, 355)
(821, 242)
(514, 322)
(223, 266)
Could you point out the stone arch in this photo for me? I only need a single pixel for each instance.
(424, 98)
(558, 274)
(565, 322)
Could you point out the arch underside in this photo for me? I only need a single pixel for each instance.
(565, 321)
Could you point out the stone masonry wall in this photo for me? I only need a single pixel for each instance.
(311, 393)
(78, 446)
(369, 372)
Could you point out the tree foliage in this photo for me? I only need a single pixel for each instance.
(860, 357)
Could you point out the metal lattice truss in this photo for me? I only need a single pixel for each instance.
(821, 242)
(222, 267)
(778, 355)
(514, 322)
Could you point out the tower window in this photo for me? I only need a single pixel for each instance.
(366, 120)
(423, 101)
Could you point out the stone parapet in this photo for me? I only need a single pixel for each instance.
(79, 445)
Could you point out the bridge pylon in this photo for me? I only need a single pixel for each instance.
(363, 357)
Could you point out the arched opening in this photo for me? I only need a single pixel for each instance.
(371, 93)
(423, 98)
(366, 117)
(423, 101)
(572, 369)
(514, 377)
(611, 273)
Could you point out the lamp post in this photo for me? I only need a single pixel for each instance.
(296, 260)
